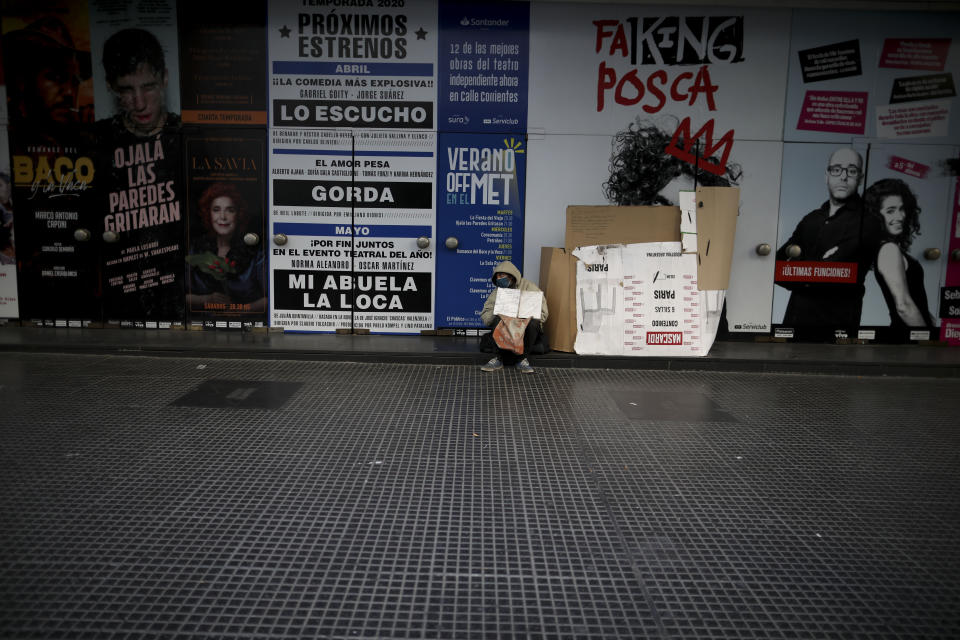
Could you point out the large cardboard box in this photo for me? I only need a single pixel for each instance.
(716, 222)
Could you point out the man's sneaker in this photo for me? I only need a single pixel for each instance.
(493, 365)
(524, 366)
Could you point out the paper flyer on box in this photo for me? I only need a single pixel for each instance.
(599, 299)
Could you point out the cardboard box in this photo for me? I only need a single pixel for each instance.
(558, 272)
(717, 209)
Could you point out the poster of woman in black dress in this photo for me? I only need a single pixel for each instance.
(892, 206)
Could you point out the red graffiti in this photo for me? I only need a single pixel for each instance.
(701, 160)
(631, 89)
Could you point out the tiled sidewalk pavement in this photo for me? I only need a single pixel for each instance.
(350, 500)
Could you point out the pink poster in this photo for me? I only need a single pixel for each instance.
(950, 295)
(908, 167)
(834, 111)
(925, 54)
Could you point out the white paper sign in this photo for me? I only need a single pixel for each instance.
(518, 304)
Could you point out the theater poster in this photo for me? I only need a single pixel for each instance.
(226, 262)
(52, 166)
(4, 118)
(8, 252)
(819, 292)
(9, 308)
(56, 213)
(669, 94)
(948, 301)
(223, 53)
(909, 193)
(883, 84)
(142, 226)
(352, 167)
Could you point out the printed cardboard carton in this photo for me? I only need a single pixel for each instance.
(713, 219)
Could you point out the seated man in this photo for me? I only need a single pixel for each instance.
(507, 276)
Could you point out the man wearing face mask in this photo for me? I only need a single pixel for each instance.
(507, 276)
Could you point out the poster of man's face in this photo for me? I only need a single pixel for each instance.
(48, 68)
(136, 68)
(843, 174)
(137, 75)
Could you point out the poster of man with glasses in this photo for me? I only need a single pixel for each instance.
(822, 264)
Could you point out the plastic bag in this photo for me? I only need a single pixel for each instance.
(508, 333)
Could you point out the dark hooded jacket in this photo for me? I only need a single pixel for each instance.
(519, 283)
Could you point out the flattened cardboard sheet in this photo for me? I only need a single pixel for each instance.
(589, 225)
(558, 270)
(717, 210)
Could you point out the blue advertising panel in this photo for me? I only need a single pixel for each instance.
(480, 183)
(481, 152)
(483, 60)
